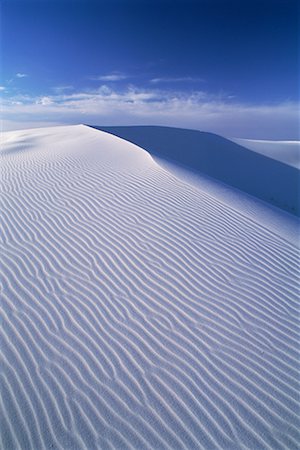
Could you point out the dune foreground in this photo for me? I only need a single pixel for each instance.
(138, 310)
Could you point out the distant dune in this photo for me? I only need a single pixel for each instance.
(287, 152)
(252, 172)
(139, 311)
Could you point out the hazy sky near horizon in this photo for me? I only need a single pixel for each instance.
(226, 66)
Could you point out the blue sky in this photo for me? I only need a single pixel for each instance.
(230, 67)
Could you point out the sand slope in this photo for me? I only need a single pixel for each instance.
(287, 152)
(137, 310)
(252, 172)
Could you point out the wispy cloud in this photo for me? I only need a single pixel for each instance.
(115, 76)
(198, 110)
(177, 80)
(45, 101)
(2, 88)
(21, 75)
(61, 89)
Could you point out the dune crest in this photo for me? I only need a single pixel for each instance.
(138, 312)
(252, 172)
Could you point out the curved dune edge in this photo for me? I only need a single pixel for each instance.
(222, 159)
(138, 311)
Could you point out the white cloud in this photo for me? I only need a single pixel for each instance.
(176, 80)
(115, 76)
(2, 88)
(45, 101)
(21, 75)
(198, 110)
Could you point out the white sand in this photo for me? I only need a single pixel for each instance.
(208, 154)
(287, 152)
(138, 310)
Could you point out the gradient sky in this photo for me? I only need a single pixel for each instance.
(230, 67)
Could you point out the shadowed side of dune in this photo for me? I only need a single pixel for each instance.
(224, 160)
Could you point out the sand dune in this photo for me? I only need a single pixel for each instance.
(252, 172)
(138, 311)
(287, 152)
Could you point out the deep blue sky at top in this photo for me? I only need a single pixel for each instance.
(248, 49)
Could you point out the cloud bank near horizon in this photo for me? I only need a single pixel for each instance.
(221, 114)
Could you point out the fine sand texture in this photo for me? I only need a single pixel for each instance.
(138, 310)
